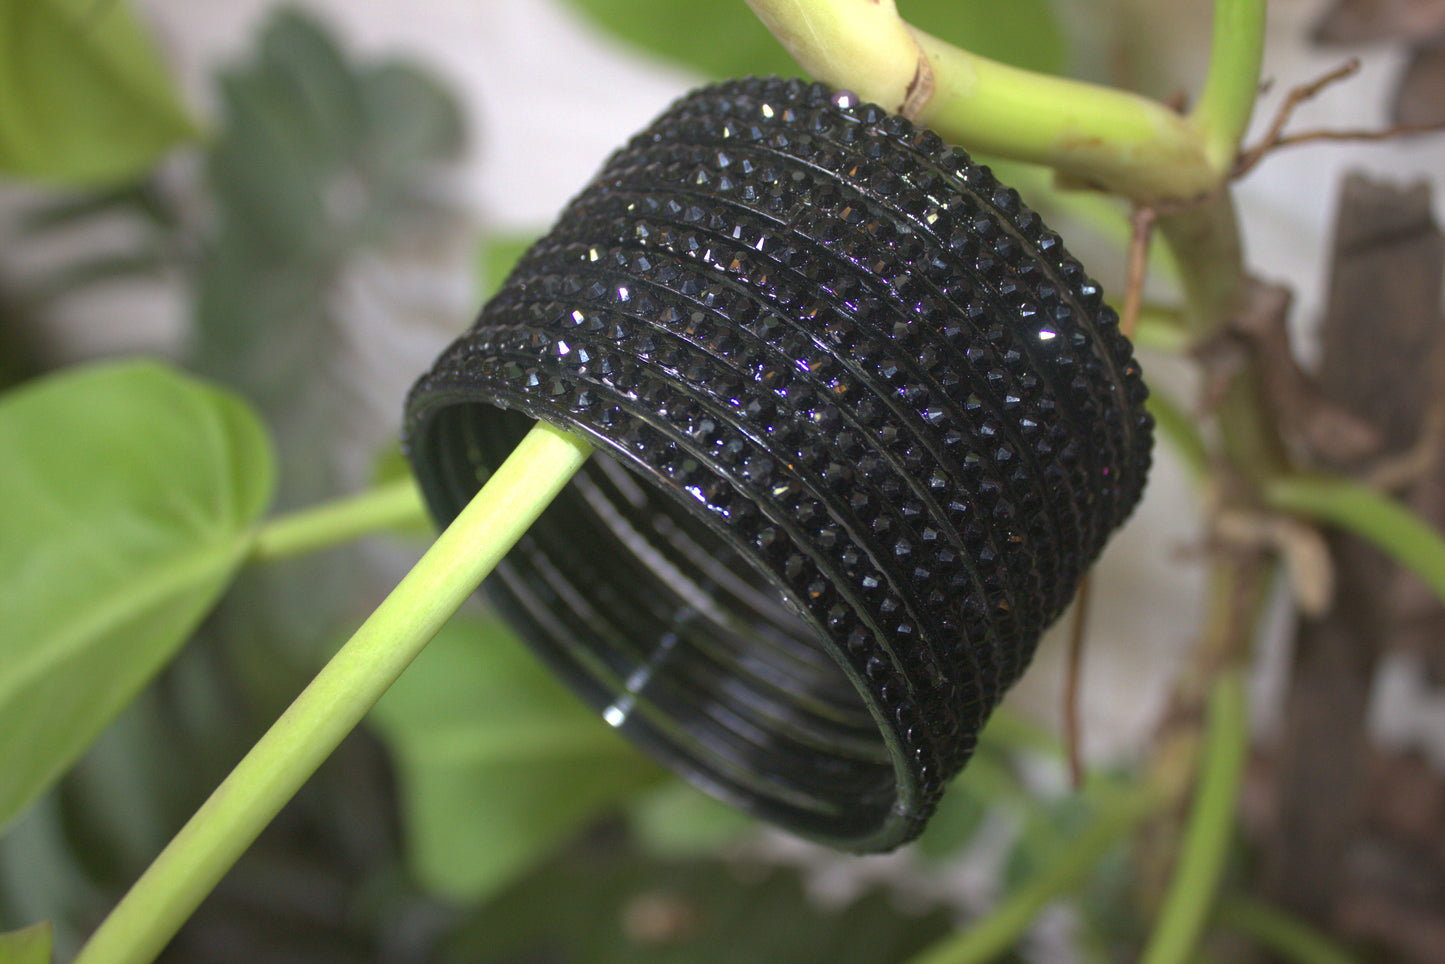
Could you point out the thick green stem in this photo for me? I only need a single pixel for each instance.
(1122, 142)
(388, 506)
(1091, 135)
(1205, 241)
(1205, 237)
(336, 700)
(1207, 837)
(1231, 86)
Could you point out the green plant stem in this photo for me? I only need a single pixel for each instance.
(1204, 236)
(1231, 85)
(1006, 924)
(1205, 240)
(389, 506)
(1207, 837)
(1206, 244)
(1095, 135)
(1286, 936)
(336, 700)
(1370, 514)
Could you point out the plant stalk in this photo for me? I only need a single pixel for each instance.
(1093, 135)
(1205, 240)
(1231, 84)
(389, 506)
(335, 701)
(1189, 901)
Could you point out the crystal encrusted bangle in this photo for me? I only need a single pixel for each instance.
(862, 425)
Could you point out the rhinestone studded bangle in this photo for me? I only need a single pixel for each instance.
(862, 425)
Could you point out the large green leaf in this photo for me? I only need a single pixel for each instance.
(127, 501)
(724, 39)
(499, 763)
(83, 97)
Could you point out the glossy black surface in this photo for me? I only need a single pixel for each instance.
(863, 424)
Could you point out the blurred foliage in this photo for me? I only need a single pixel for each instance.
(989, 783)
(43, 877)
(19, 351)
(499, 762)
(318, 161)
(153, 252)
(603, 904)
(72, 852)
(469, 840)
(675, 820)
(320, 165)
(83, 97)
(725, 40)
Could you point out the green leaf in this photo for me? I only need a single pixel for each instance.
(126, 504)
(1393, 527)
(1024, 33)
(499, 763)
(726, 40)
(83, 97)
(30, 945)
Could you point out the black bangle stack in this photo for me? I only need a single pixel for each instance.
(862, 423)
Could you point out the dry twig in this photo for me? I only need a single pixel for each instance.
(1142, 225)
(1275, 138)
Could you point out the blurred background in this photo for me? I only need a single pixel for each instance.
(362, 173)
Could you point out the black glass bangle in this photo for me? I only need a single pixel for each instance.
(862, 425)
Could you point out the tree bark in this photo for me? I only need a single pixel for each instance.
(1335, 854)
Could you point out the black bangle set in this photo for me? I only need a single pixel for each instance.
(863, 423)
